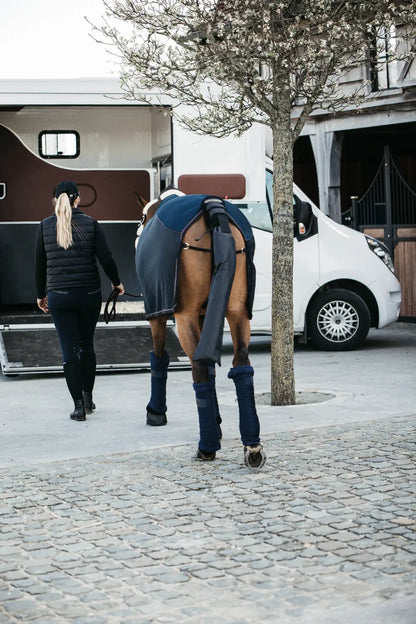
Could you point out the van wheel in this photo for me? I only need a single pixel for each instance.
(338, 320)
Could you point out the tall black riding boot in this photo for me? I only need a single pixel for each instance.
(79, 410)
(88, 403)
(88, 364)
(72, 372)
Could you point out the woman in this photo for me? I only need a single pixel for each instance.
(68, 286)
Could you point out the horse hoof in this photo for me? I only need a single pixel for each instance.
(204, 455)
(156, 420)
(254, 456)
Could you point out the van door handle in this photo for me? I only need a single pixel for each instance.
(3, 191)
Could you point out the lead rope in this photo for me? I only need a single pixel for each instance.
(110, 306)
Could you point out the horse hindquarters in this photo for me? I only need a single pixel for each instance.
(193, 291)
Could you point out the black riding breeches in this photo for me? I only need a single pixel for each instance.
(75, 313)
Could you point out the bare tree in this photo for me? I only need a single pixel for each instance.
(239, 62)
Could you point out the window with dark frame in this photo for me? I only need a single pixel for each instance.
(382, 65)
(59, 144)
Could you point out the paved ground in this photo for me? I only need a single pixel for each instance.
(109, 521)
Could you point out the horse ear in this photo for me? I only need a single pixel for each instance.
(140, 200)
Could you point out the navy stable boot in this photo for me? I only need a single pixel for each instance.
(249, 421)
(254, 455)
(156, 408)
(209, 438)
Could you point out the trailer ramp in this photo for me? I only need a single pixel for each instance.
(120, 346)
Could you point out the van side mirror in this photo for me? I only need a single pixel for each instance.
(304, 220)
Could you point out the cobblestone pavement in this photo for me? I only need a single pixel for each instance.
(324, 533)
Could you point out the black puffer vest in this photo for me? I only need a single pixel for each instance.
(75, 266)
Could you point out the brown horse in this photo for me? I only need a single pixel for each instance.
(198, 314)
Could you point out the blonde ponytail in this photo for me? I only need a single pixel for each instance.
(63, 211)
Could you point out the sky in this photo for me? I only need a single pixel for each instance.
(51, 39)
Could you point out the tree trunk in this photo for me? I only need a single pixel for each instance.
(282, 368)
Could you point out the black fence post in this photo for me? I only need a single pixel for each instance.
(388, 230)
(354, 212)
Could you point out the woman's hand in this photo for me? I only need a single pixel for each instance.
(43, 304)
(120, 287)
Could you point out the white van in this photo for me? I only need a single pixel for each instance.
(343, 281)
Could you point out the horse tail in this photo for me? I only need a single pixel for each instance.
(224, 263)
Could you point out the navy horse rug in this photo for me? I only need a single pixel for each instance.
(162, 240)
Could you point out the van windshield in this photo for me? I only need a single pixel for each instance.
(257, 214)
(269, 188)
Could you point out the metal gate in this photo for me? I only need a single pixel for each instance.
(387, 211)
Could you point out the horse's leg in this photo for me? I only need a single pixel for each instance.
(159, 362)
(211, 378)
(193, 290)
(242, 372)
(209, 432)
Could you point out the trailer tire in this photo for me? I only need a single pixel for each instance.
(338, 320)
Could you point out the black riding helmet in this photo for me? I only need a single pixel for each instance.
(70, 188)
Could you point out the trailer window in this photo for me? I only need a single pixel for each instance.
(59, 144)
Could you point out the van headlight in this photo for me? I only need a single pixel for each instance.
(381, 251)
